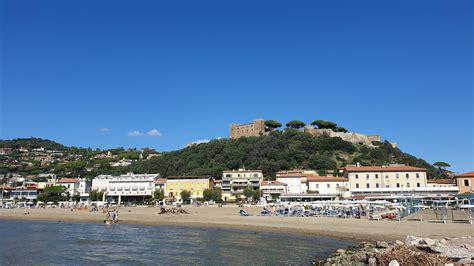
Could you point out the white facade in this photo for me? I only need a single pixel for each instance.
(272, 189)
(327, 185)
(125, 185)
(375, 177)
(71, 185)
(294, 184)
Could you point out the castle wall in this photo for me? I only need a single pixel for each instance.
(349, 136)
(255, 129)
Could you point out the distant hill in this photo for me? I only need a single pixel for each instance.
(31, 143)
(280, 150)
(285, 150)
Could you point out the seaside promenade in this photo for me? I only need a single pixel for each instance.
(228, 217)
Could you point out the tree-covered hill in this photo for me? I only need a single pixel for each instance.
(279, 150)
(31, 143)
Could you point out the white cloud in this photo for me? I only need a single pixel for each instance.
(150, 133)
(154, 133)
(135, 133)
(196, 142)
(104, 130)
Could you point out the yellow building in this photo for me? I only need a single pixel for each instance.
(194, 184)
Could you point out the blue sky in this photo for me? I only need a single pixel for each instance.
(188, 69)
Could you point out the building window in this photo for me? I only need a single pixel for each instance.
(408, 184)
(466, 183)
(386, 176)
(227, 175)
(255, 175)
(367, 185)
(317, 185)
(398, 184)
(418, 185)
(397, 176)
(387, 186)
(329, 185)
(377, 185)
(357, 185)
(417, 175)
(367, 176)
(337, 185)
(407, 176)
(376, 176)
(357, 176)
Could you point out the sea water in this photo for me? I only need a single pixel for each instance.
(35, 242)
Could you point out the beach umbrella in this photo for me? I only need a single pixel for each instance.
(29, 203)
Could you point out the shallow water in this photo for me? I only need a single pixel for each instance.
(35, 242)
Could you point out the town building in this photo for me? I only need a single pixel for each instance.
(392, 182)
(5, 151)
(84, 189)
(160, 184)
(272, 190)
(129, 187)
(24, 193)
(295, 180)
(71, 185)
(465, 182)
(391, 176)
(441, 183)
(194, 184)
(254, 129)
(218, 183)
(234, 182)
(327, 184)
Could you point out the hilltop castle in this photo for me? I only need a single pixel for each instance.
(257, 128)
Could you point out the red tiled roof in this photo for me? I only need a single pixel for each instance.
(402, 168)
(3, 187)
(468, 174)
(272, 183)
(68, 180)
(317, 178)
(160, 180)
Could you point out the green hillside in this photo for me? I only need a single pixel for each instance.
(279, 150)
(31, 143)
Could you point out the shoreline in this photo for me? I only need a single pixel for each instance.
(228, 218)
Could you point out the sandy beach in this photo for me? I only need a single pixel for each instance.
(227, 217)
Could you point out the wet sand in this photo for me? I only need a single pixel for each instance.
(228, 217)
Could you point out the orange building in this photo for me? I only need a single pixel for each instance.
(465, 182)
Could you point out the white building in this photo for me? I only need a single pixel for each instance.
(295, 180)
(272, 190)
(84, 188)
(71, 184)
(129, 187)
(327, 184)
(121, 163)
